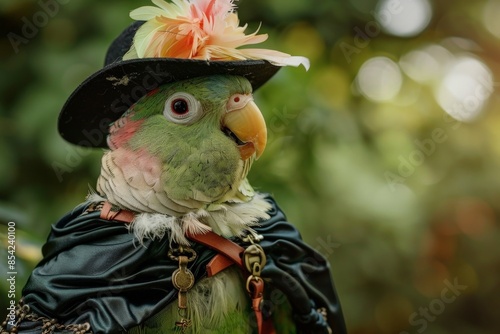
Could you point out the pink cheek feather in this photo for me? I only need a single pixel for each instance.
(121, 132)
(139, 167)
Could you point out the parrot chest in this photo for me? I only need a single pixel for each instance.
(217, 304)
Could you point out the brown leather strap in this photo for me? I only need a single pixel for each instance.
(257, 294)
(220, 244)
(218, 263)
(109, 212)
(268, 326)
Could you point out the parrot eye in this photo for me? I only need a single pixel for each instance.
(179, 106)
(182, 108)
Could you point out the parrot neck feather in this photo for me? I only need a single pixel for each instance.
(94, 197)
(227, 219)
(155, 225)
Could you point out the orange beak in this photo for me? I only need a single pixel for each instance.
(249, 127)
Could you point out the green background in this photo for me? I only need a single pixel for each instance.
(402, 199)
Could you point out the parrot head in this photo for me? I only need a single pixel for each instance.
(179, 156)
(184, 146)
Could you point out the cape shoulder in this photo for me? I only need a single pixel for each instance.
(94, 271)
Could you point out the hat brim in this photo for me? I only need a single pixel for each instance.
(104, 96)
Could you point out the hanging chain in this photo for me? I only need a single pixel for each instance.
(183, 280)
(254, 259)
(48, 326)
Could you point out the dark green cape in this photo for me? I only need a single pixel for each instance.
(93, 271)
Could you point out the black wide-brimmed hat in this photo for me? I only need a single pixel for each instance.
(104, 96)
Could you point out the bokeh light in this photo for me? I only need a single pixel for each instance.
(379, 79)
(491, 17)
(425, 64)
(465, 88)
(404, 18)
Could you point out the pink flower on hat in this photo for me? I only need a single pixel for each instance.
(199, 29)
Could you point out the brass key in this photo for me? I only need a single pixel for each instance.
(182, 280)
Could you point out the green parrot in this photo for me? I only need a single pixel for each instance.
(182, 154)
(185, 147)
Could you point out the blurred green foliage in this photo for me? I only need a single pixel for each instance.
(398, 226)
